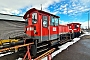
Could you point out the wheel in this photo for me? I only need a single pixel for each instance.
(33, 49)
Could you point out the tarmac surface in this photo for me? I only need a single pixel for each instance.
(78, 51)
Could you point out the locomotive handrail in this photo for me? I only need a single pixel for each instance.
(15, 47)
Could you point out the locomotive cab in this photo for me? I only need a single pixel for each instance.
(75, 28)
(31, 19)
(41, 25)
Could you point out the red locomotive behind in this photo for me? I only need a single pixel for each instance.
(75, 28)
(45, 30)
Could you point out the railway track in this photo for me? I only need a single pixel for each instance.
(15, 55)
(41, 48)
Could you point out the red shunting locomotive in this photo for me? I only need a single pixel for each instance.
(45, 30)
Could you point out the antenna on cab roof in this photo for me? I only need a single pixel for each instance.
(41, 6)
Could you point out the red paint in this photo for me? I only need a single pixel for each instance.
(49, 57)
(27, 53)
(75, 27)
(63, 29)
(45, 31)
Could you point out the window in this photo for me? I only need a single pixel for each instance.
(69, 26)
(45, 24)
(34, 18)
(76, 26)
(54, 21)
(26, 22)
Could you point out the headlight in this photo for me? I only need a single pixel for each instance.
(31, 28)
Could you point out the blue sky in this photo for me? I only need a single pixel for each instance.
(73, 11)
(68, 10)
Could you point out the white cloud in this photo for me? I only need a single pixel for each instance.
(9, 11)
(76, 7)
(85, 2)
(63, 9)
(70, 11)
(83, 10)
(14, 6)
(63, 6)
(63, 22)
(54, 12)
(73, 4)
(84, 24)
(74, 0)
(73, 8)
(65, 12)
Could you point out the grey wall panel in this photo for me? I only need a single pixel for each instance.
(11, 29)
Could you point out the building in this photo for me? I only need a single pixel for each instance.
(11, 26)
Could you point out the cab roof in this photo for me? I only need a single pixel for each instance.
(40, 11)
(74, 23)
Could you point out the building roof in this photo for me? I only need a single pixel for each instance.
(11, 17)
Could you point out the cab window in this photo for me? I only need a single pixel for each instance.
(69, 26)
(34, 17)
(76, 26)
(26, 22)
(52, 21)
(56, 21)
(45, 22)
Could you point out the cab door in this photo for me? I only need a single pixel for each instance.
(53, 28)
(44, 27)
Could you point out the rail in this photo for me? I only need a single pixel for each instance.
(48, 53)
